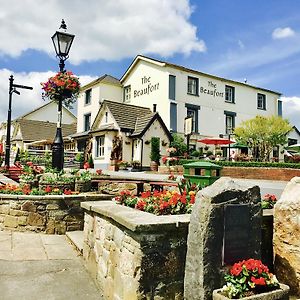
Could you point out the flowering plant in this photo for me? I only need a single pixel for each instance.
(268, 201)
(64, 85)
(169, 161)
(161, 202)
(248, 277)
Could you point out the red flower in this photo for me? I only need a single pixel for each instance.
(86, 165)
(145, 195)
(48, 189)
(258, 281)
(141, 204)
(236, 269)
(99, 171)
(67, 192)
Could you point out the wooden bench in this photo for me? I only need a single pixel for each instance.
(139, 184)
(159, 185)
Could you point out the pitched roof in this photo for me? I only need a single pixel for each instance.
(32, 130)
(182, 68)
(104, 79)
(141, 123)
(40, 107)
(125, 114)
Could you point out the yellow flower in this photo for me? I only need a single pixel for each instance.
(192, 193)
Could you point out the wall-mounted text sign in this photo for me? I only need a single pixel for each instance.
(211, 90)
(147, 88)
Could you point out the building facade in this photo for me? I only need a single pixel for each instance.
(216, 104)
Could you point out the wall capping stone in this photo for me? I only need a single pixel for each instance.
(136, 220)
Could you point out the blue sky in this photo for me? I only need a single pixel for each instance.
(256, 40)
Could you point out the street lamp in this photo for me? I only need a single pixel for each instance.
(62, 42)
(12, 89)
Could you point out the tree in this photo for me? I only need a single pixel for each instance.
(261, 134)
(179, 144)
(155, 149)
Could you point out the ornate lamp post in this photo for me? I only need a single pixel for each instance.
(62, 42)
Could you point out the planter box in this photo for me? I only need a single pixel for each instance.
(282, 294)
(132, 254)
(83, 186)
(59, 185)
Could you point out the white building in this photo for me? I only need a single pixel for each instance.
(216, 105)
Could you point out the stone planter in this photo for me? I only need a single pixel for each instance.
(282, 294)
(60, 185)
(83, 186)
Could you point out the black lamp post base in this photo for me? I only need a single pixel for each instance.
(58, 151)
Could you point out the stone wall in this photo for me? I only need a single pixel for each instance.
(51, 214)
(132, 254)
(287, 236)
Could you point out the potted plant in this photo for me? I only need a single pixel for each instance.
(155, 153)
(251, 279)
(64, 85)
(83, 182)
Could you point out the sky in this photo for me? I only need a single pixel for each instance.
(254, 40)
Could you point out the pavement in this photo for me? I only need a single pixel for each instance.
(37, 266)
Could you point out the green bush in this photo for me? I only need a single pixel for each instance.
(155, 149)
(255, 164)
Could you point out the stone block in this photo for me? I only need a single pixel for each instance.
(29, 206)
(52, 207)
(35, 219)
(4, 209)
(11, 221)
(286, 236)
(22, 220)
(17, 213)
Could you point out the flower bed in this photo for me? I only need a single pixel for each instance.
(162, 202)
(268, 201)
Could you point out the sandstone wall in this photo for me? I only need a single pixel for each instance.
(287, 236)
(133, 254)
(51, 214)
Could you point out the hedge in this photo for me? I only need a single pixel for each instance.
(255, 164)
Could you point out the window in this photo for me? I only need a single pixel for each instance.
(173, 117)
(127, 93)
(88, 96)
(229, 94)
(192, 111)
(261, 101)
(229, 121)
(106, 117)
(87, 122)
(279, 106)
(193, 84)
(172, 87)
(100, 145)
(292, 142)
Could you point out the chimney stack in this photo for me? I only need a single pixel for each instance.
(154, 107)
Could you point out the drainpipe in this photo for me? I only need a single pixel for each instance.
(142, 149)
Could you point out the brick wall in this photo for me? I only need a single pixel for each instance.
(261, 173)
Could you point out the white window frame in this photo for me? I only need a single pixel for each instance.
(193, 86)
(229, 121)
(85, 121)
(127, 93)
(229, 94)
(100, 142)
(261, 101)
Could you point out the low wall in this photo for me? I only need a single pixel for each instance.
(51, 214)
(283, 174)
(132, 254)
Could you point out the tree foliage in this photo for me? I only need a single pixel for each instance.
(179, 144)
(261, 134)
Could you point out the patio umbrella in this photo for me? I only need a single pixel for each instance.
(238, 145)
(216, 141)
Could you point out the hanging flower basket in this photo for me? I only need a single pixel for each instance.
(64, 85)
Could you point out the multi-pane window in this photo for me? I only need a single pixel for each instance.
(87, 122)
(88, 96)
(192, 111)
(229, 121)
(172, 87)
(261, 101)
(127, 93)
(193, 85)
(100, 145)
(229, 94)
(173, 117)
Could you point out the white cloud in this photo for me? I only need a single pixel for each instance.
(241, 44)
(291, 109)
(281, 33)
(108, 30)
(29, 99)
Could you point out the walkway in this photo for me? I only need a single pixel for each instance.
(38, 266)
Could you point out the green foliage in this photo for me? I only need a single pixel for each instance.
(261, 134)
(79, 157)
(91, 161)
(195, 153)
(84, 176)
(155, 149)
(255, 164)
(179, 144)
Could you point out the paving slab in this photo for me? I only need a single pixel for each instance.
(37, 266)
